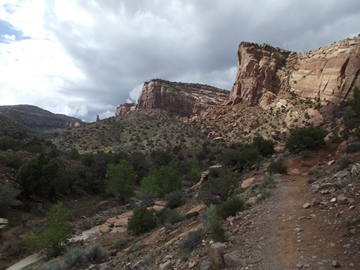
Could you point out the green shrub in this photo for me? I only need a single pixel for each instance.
(7, 196)
(160, 181)
(42, 176)
(95, 253)
(231, 207)
(174, 199)
(222, 183)
(265, 147)
(52, 265)
(119, 244)
(56, 232)
(142, 221)
(194, 172)
(268, 182)
(193, 240)
(306, 138)
(13, 161)
(169, 217)
(75, 258)
(277, 167)
(121, 180)
(241, 159)
(217, 231)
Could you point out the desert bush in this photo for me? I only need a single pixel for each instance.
(7, 196)
(193, 240)
(95, 253)
(75, 258)
(56, 232)
(169, 217)
(241, 159)
(121, 180)
(217, 230)
(268, 182)
(194, 172)
(265, 147)
(231, 207)
(12, 160)
(42, 176)
(174, 199)
(277, 167)
(120, 244)
(160, 181)
(221, 183)
(306, 138)
(54, 264)
(142, 221)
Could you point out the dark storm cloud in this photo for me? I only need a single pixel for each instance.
(120, 44)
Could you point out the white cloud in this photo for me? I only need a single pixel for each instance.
(9, 38)
(86, 57)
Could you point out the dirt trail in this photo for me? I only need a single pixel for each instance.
(284, 235)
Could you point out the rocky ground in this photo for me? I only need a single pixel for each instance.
(310, 220)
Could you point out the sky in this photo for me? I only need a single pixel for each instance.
(85, 58)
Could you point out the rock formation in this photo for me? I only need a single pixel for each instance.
(125, 108)
(328, 73)
(177, 99)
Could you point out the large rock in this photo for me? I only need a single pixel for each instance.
(328, 73)
(217, 251)
(175, 98)
(248, 182)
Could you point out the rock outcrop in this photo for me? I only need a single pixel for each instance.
(125, 108)
(175, 98)
(37, 118)
(328, 73)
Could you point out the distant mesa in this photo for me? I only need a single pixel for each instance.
(37, 118)
(175, 98)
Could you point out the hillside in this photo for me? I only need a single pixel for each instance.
(37, 118)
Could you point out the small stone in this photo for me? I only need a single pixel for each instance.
(166, 265)
(333, 200)
(306, 205)
(299, 265)
(335, 264)
(342, 199)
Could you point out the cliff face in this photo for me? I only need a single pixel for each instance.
(261, 69)
(177, 99)
(37, 118)
(328, 73)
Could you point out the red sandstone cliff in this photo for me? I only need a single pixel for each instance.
(328, 73)
(177, 99)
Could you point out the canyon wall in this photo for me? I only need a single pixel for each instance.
(328, 73)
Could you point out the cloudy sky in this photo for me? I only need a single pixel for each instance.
(84, 58)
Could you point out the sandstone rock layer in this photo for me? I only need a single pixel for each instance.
(177, 99)
(328, 73)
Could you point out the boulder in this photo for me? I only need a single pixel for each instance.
(217, 251)
(233, 259)
(195, 211)
(248, 182)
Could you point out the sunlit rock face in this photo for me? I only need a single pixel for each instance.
(176, 99)
(328, 73)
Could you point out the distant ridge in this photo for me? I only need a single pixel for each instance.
(37, 118)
